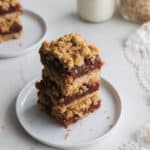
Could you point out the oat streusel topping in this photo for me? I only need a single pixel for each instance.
(6, 25)
(5, 4)
(71, 50)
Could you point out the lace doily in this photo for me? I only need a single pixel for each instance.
(137, 46)
(137, 52)
(142, 141)
(143, 74)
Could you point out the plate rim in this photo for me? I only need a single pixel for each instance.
(29, 86)
(24, 51)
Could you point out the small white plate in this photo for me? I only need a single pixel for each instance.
(85, 132)
(34, 31)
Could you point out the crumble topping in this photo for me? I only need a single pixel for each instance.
(6, 25)
(71, 50)
(5, 4)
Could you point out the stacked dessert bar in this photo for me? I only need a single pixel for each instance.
(69, 89)
(10, 24)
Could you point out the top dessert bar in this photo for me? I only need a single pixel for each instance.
(70, 55)
(70, 50)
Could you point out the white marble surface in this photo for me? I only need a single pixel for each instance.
(16, 72)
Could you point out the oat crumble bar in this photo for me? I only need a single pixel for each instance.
(69, 89)
(10, 23)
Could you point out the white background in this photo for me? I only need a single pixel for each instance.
(61, 19)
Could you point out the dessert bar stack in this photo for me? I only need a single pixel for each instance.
(10, 24)
(69, 89)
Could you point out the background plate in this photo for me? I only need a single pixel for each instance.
(47, 131)
(34, 31)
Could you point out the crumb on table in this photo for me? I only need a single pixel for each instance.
(108, 117)
(3, 127)
(20, 44)
(67, 133)
(32, 148)
(111, 125)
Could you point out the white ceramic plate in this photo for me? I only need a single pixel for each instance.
(34, 31)
(85, 132)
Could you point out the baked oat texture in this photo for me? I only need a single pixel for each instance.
(10, 36)
(6, 25)
(75, 86)
(71, 50)
(77, 107)
(6, 4)
(10, 16)
(68, 114)
(9, 20)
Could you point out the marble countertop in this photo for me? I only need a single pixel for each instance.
(16, 72)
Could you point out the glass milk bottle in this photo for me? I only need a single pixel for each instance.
(96, 10)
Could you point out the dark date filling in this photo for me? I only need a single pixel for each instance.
(15, 28)
(42, 86)
(11, 9)
(76, 71)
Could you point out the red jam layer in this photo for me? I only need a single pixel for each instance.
(76, 71)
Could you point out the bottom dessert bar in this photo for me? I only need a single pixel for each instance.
(72, 120)
(11, 15)
(68, 114)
